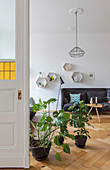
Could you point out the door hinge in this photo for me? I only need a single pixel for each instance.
(19, 95)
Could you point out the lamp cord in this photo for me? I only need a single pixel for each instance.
(76, 28)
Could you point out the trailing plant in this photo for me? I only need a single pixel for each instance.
(46, 128)
(80, 118)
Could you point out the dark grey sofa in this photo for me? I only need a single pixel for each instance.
(103, 95)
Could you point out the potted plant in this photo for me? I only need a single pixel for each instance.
(40, 84)
(79, 119)
(63, 119)
(45, 131)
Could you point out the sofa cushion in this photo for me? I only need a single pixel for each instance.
(108, 95)
(101, 96)
(105, 105)
(65, 100)
(66, 106)
(74, 98)
(99, 99)
(83, 97)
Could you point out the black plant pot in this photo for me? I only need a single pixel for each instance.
(32, 114)
(39, 153)
(80, 141)
(61, 140)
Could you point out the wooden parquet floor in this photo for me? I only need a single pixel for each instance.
(95, 156)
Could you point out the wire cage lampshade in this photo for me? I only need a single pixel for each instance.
(76, 52)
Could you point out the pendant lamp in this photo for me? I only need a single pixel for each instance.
(76, 52)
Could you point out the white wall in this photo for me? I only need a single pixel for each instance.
(50, 51)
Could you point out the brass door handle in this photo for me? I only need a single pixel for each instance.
(19, 95)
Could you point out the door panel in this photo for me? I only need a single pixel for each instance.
(13, 118)
(8, 138)
(6, 100)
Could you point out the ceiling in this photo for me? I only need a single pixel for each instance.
(52, 16)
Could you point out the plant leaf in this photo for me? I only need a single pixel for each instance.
(66, 148)
(40, 102)
(63, 117)
(39, 124)
(57, 156)
(43, 118)
(56, 140)
(70, 136)
(55, 114)
(49, 119)
(44, 128)
(52, 100)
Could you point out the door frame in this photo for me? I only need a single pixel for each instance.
(26, 84)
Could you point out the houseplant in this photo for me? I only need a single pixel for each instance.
(63, 119)
(45, 130)
(79, 119)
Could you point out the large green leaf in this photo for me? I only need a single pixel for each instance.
(82, 105)
(82, 101)
(39, 124)
(61, 111)
(55, 114)
(56, 140)
(35, 108)
(44, 128)
(45, 104)
(63, 117)
(57, 156)
(49, 119)
(70, 136)
(38, 107)
(71, 107)
(80, 124)
(66, 148)
(43, 118)
(52, 100)
(40, 102)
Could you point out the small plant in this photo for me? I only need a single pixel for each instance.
(40, 83)
(46, 128)
(51, 78)
(79, 119)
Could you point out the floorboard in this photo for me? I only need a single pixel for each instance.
(95, 156)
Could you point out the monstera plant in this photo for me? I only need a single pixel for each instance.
(46, 130)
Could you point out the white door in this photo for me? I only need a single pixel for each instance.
(14, 112)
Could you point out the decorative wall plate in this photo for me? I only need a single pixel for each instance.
(41, 82)
(67, 66)
(51, 76)
(91, 75)
(77, 77)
